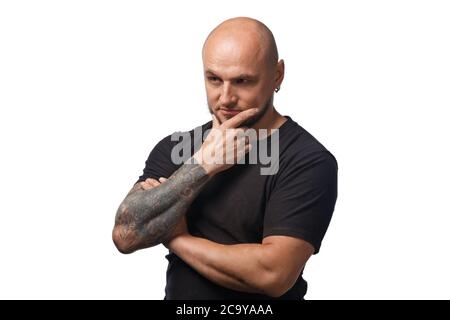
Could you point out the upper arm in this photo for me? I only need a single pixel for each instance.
(159, 162)
(302, 202)
(285, 258)
(297, 216)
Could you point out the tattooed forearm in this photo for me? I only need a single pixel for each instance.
(147, 217)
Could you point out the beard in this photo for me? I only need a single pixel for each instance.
(261, 112)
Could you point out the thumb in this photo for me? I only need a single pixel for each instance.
(162, 180)
(215, 122)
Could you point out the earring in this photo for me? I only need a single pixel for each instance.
(277, 89)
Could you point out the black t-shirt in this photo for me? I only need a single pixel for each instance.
(239, 205)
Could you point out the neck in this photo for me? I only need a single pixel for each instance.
(270, 120)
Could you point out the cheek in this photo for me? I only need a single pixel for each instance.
(212, 96)
(251, 100)
(253, 96)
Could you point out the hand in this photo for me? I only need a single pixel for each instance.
(226, 144)
(150, 183)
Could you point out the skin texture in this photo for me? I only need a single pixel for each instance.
(241, 71)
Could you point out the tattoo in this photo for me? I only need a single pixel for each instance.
(146, 218)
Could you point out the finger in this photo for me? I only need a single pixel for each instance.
(236, 121)
(145, 185)
(162, 179)
(155, 183)
(152, 182)
(241, 149)
(248, 147)
(215, 122)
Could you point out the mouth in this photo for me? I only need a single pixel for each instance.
(229, 112)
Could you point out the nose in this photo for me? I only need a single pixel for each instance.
(227, 98)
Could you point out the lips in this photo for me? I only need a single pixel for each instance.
(229, 112)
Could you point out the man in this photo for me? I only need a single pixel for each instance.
(232, 232)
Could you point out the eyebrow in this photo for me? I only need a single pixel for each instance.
(241, 76)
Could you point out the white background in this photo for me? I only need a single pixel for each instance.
(88, 87)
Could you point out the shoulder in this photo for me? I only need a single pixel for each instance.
(300, 151)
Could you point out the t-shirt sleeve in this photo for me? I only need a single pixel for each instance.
(159, 163)
(302, 201)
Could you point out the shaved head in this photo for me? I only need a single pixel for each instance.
(246, 32)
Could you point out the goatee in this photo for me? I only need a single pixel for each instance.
(262, 111)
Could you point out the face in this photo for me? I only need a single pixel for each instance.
(237, 77)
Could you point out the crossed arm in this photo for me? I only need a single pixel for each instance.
(153, 213)
(269, 268)
(148, 215)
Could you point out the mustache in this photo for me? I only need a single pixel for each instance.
(222, 107)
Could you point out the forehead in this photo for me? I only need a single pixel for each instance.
(231, 55)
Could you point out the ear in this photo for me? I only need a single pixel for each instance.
(279, 73)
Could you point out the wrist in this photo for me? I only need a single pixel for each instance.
(176, 243)
(210, 169)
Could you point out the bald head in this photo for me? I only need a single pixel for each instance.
(242, 71)
(251, 36)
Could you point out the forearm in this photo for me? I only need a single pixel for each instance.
(241, 267)
(146, 217)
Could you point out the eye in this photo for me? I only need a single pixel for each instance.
(213, 79)
(241, 81)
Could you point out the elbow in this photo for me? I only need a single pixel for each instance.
(275, 291)
(276, 284)
(124, 239)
